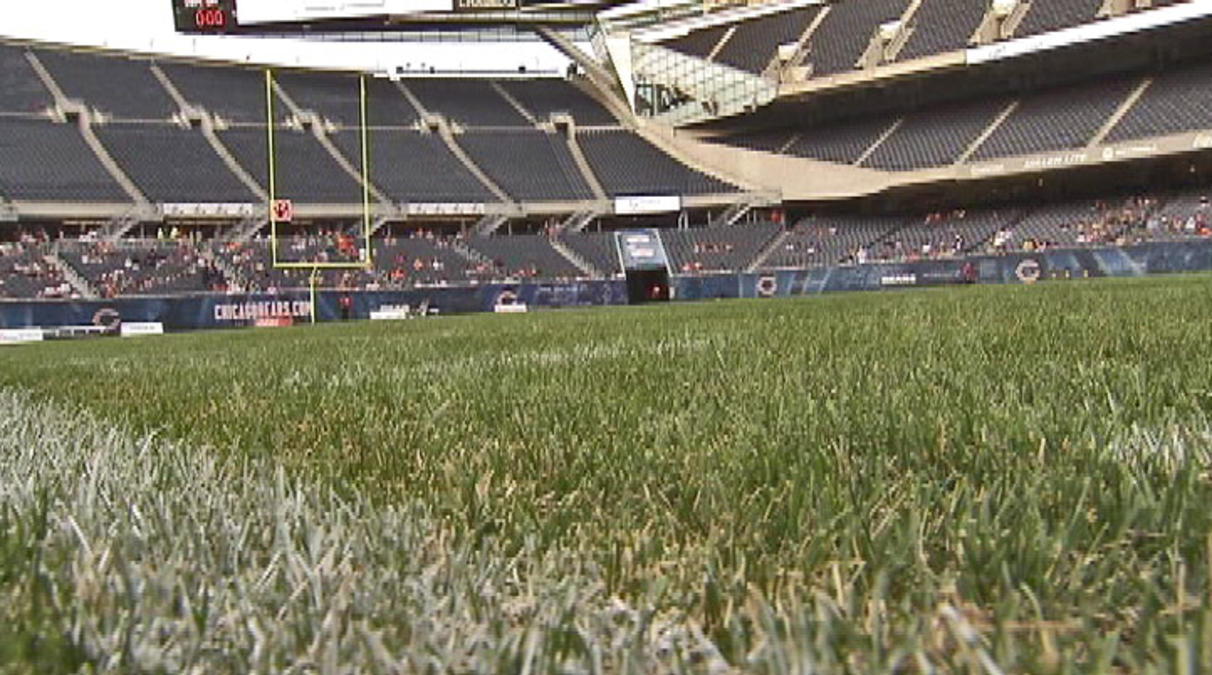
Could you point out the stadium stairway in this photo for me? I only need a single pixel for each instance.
(80, 284)
(763, 255)
(235, 279)
(513, 102)
(575, 258)
(1124, 107)
(578, 157)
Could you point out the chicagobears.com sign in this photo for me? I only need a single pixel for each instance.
(245, 312)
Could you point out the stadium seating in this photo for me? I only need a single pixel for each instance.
(121, 87)
(20, 89)
(43, 161)
(626, 164)
(413, 167)
(524, 256)
(234, 94)
(1065, 117)
(421, 259)
(948, 234)
(934, 137)
(1050, 15)
(942, 26)
(304, 171)
(253, 262)
(753, 44)
(598, 248)
(527, 163)
(336, 97)
(1177, 100)
(544, 97)
(24, 274)
(697, 42)
(151, 268)
(844, 143)
(467, 102)
(768, 141)
(830, 240)
(842, 37)
(170, 164)
(715, 249)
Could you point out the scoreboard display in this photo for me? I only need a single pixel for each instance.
(204, 16)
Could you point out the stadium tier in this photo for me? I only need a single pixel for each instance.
(986, 128)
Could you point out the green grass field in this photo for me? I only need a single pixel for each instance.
(981, 479)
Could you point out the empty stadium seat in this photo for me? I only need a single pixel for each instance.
(235, 94)
(524, 256)
(143, 268)
(626, 164)
(830, 240)
(942, 26)
(1177, 100)
(754, 42)
(844, 142)
(337, 98)
(844, 33)
(305, 171)
(528, 164)
(43, 161)
(413, 167)
(935, 136)
(1056, 119)
(697, 42)
(170, 164)
(119, 86)
(544, 97)
(1050, 15)
(468, 102)
(20, 89)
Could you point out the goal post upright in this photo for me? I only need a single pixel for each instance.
(366, 260)
(269, 131)
(370, 250)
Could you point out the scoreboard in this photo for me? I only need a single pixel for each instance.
(204, 16)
